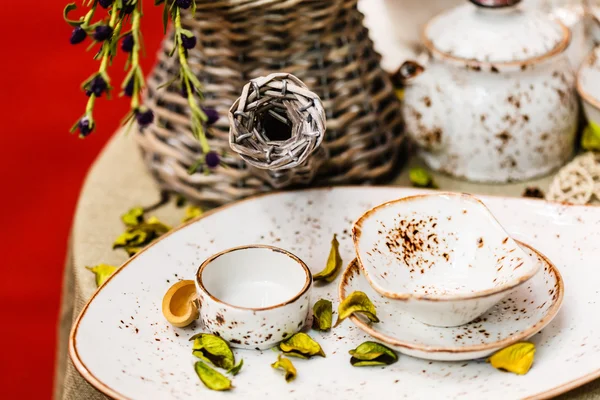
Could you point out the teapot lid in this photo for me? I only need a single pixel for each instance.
(497, 32)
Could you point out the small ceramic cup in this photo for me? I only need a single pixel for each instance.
(253, 296)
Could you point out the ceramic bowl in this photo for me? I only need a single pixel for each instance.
(588, 85)
(442, 258)
(253, 296)
(521, 315)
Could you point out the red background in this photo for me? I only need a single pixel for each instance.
(42, 169)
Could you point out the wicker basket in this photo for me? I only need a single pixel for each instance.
(322, 42)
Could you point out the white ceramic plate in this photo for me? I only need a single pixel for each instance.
(122, 345)
(526, 311)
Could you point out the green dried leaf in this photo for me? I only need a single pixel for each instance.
(516, 358)
(334, 263)
(68, 8)
(212, 379)
(130, 238)
(165, 18)
(213, 349)
(591, 137)
(235, 370)
(357, 302)
(138, 236)
(372, 353)
(287, 366)
(322, 315)
(421, 178)
(133, 217)
(192, 212)
(301, 345)
(102, 272)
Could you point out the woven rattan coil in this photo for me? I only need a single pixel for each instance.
(577, 182)
(276, 123)
(322, 42)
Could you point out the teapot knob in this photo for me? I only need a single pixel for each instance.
(495, 3)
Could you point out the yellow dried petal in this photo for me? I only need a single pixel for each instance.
(102, 272)
(301, 345)
(516, 358)
(287, 366)
(133, 217)
(322, 315)
(192, 212)
(591, 137)
(419, 177)
(213, 349)
(357, 302)
(372, 353)
(212, 379)
(334, 263)
(236, 370)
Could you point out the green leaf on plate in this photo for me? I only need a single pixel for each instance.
(287, 366)
(322, 315)
(212, 379)
(372, 353)
(334, 263)
(235, 370)
(516, 358)
(357, 302)
(301, 345)
(213, 349)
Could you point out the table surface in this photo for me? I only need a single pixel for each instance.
(118, 180)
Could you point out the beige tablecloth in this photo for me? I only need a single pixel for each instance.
(117, 181)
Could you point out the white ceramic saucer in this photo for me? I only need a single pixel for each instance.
(521, 315)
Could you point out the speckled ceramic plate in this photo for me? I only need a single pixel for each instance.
(122, 345)
(524, 313)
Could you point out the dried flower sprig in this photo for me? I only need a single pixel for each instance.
(108, 33)
(191, 88)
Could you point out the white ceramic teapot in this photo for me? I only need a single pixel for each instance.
(496, 102)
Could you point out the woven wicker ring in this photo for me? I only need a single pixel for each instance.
(276, 123)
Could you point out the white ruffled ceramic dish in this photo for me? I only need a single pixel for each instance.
(123, 346)
(525, 312)
(443, 258)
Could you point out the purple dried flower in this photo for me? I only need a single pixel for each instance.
(103, 32)
(85, 126)
(185, 4)
(105, 3)
(188, 42)
(212, 159)
(128, 91)
(211, 114)
(97, 86)
(78, 35)
(127, 43)
(129, 7)
(144, 118)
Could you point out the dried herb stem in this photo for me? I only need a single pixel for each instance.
(191, 84)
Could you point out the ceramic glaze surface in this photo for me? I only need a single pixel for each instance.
(588, 85)
(521, 315)
(253, 297)
(493, 126)
(124, 346)
(493, 35)
(444, 258)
